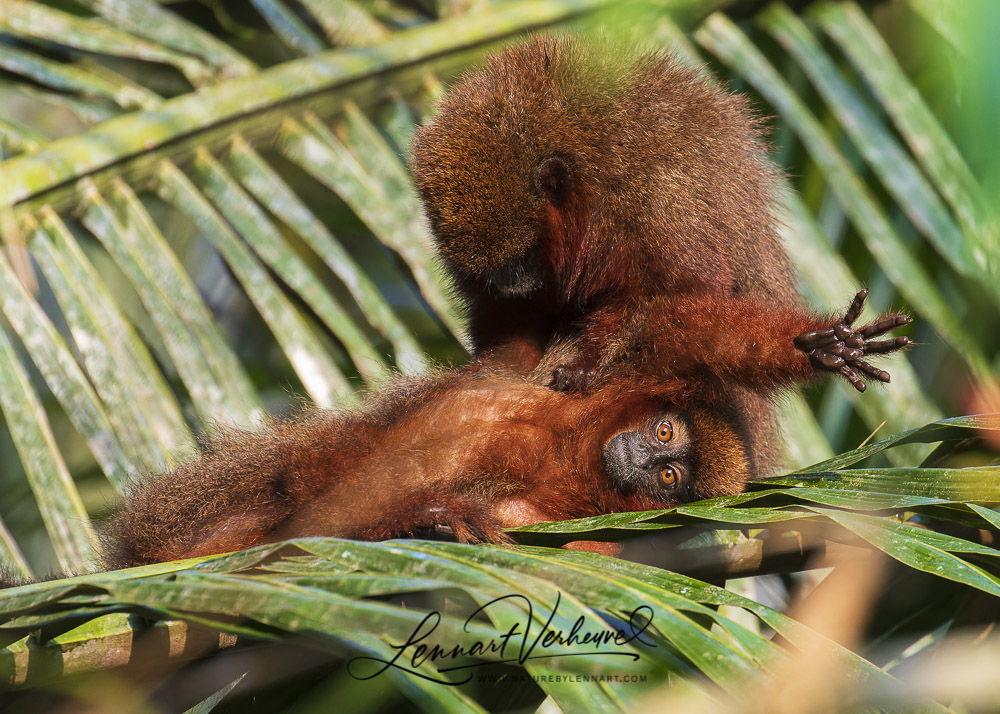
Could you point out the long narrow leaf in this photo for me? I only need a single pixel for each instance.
(850, 28)
(183, 296)
(325, 157)
(105, 338)
(30, 19)
(58, 500)
(954, 428)
(286, 25)
(10, 554)
(159, 297)
(729, 43)
(264, 237)
(908, 186)
(67, 77)
(275, 195)
(345, 22)
(62, 373)
(921, 549)
(147, 19)
(320, 376)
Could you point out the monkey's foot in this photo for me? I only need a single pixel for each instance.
(462, 519)
(572, 379)
(840, 348)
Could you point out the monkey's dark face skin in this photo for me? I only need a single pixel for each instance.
(518, 278)
(655, 459)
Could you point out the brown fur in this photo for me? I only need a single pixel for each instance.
(472, 450)
(597, 211)
(601, 210)
(669, 189)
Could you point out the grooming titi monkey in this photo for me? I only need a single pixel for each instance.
(599, 210)
(468, 453)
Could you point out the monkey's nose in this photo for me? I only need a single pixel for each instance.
(627, 459)
(619, 461)
(516, 279)
(642, 455)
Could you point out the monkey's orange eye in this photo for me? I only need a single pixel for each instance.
(670, 477)
(664, 432)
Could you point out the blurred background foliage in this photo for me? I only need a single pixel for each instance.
(206, 213)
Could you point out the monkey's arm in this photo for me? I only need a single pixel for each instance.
(436, 514)
(756, 345)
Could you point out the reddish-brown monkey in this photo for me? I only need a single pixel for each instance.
(470, 452)
(597, 214)
(599, 210)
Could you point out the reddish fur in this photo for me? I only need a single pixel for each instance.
(662, 267)
(664, 254)
(474, 450)
(738, 341)
(669, 184)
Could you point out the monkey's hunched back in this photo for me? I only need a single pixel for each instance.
(665, 176)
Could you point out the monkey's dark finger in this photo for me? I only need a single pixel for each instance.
(827, 360)
(849, 354)
(877, 328)
(873, 372)
(853, 378)
(437, 531)
(809, 341)
(856, 307)
(886, 345)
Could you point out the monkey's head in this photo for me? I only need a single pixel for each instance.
(503, 167)
(679, 456)
(571, 165)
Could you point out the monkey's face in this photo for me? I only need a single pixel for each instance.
(677, 457)
(485, 193)
(500, 170)
(655, 459)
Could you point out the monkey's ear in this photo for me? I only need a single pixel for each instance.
(552, 180)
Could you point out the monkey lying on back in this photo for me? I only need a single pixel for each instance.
(598, 209)
(471, 452)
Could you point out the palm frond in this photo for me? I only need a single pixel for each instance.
(205, 209)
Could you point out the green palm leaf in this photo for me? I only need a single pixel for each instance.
(206, 210)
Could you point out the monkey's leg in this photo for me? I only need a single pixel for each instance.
(840, 348)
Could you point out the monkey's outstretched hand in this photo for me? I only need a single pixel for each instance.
(840, 348)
